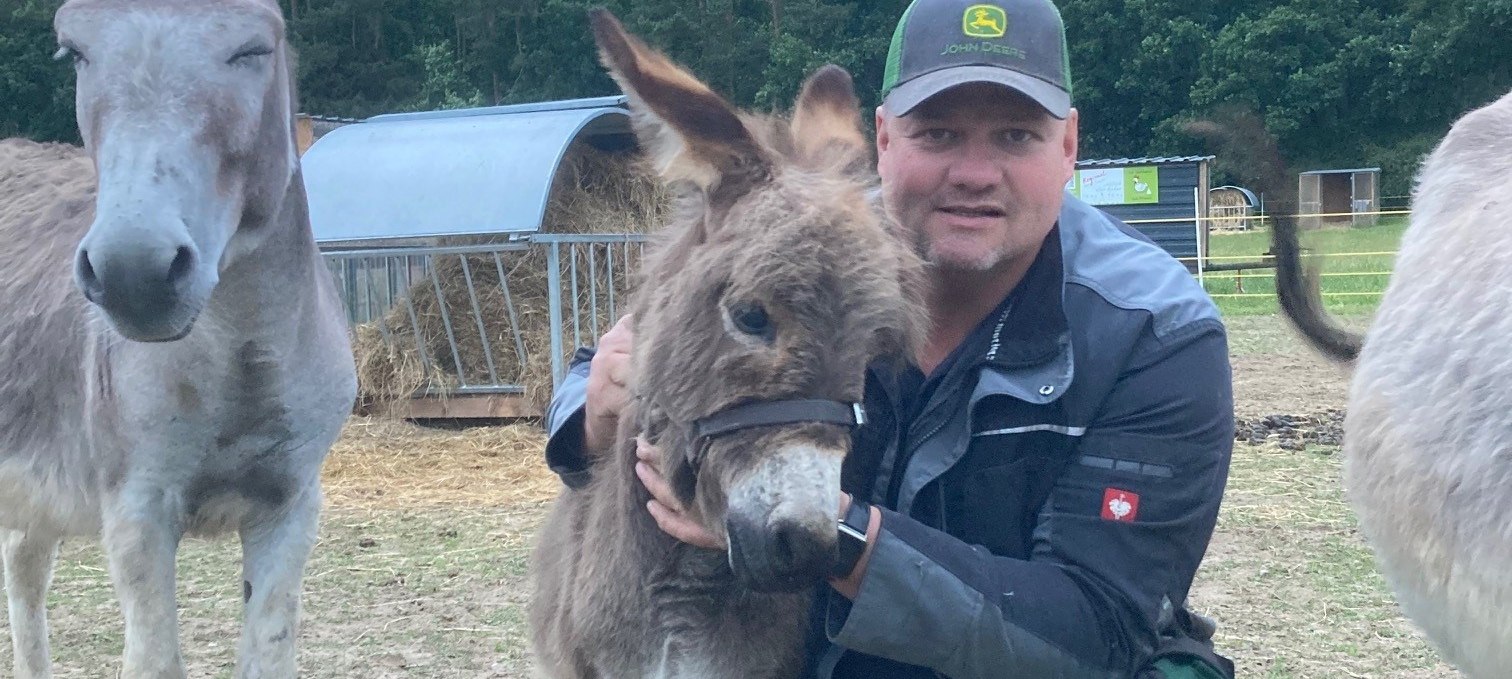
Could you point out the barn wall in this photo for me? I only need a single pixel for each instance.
(1177, 182)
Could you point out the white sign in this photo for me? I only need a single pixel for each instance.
(1102, 187)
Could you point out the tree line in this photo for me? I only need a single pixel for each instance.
(1341, 83)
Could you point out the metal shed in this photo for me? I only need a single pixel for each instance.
(1350, 196)
(431, 223)
(467, 172)
(1162, 197)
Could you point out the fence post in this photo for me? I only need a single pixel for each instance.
(1201, 242)
(554, 308)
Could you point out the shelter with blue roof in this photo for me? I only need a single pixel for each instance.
(467, 172)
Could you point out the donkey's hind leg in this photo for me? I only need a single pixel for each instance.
(29, 559)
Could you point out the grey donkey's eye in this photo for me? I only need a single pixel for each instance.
(71, 53)
(248, 54)
(752, 320)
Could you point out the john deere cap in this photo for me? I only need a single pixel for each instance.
(943, 43)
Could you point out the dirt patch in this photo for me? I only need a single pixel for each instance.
(380, 463)
(1268, 384)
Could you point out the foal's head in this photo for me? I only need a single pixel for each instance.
(185, 108)
(782, 281)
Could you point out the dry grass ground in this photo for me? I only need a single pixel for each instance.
(421, 566)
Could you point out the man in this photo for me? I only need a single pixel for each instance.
(1043, 481)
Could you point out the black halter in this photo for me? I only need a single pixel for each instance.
(769, 413)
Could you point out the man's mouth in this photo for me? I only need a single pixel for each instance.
(985, 211)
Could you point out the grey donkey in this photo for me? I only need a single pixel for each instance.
(1428, 434)
(173, 357)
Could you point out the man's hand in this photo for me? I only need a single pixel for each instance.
(608, 377)
(664, 505)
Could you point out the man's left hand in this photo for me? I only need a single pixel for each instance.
(664, 506)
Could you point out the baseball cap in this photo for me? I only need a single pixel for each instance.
(939, 44)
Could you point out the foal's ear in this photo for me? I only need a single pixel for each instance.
(827, 123)
(689, 132)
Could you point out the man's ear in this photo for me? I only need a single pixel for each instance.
(1069, 144)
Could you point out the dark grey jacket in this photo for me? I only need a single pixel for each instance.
(1050, 491)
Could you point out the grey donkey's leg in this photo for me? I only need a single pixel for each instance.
(29, 559)
(275, 547)
(142, 532)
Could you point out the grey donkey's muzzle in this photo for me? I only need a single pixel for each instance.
(143, 280)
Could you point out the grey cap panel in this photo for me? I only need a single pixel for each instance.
(905, 97)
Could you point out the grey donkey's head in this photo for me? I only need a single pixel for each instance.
(185, 108)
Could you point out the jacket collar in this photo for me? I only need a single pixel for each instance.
(1029, 355)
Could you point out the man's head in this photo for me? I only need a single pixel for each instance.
(976, 136)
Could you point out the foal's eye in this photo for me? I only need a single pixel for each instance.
(751, 319)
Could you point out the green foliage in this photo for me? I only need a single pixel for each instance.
(1341, 82)
(36, 93)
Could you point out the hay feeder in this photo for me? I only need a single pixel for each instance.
(475, 249)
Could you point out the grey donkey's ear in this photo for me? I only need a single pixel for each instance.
(827, 123)
(688, 131)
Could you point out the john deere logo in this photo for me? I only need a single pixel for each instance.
(985, 21)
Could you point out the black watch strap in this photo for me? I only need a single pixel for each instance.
(851, 538)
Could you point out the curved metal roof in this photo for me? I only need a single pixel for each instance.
(1246, 193)
(449, 173)
(1151, 160)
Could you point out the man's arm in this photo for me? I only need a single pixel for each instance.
(583, 416)
(1123, 531)
(565, 452)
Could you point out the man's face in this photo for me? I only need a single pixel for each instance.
(975, 174)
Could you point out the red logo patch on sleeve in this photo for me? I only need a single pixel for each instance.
(1119, 505)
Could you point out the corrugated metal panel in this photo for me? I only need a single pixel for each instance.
(1153, 160)
(447, 173)
(1350, 170)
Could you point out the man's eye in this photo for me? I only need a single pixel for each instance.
(1020, 136)
(937, 135)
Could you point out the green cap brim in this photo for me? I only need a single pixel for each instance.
(905, 97)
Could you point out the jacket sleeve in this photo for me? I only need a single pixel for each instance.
(1115, 547)
(564, 423)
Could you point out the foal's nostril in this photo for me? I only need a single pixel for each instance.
(183, 263)
(785, 545)
(797, 550)
(88, 281)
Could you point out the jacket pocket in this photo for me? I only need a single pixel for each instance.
(997, 512)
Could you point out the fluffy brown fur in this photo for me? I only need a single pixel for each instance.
(774, 215)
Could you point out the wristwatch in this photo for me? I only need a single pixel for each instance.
(851, 538)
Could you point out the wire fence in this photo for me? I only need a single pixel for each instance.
(1360, 274)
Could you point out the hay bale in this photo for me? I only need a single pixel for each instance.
(408, 350)
(1229, 210)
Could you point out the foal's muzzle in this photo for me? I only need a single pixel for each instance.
(780, 517)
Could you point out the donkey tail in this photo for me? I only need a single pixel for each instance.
(1256, 158)
(1297, 287)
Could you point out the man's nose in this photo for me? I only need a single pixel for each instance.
(975, 171)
